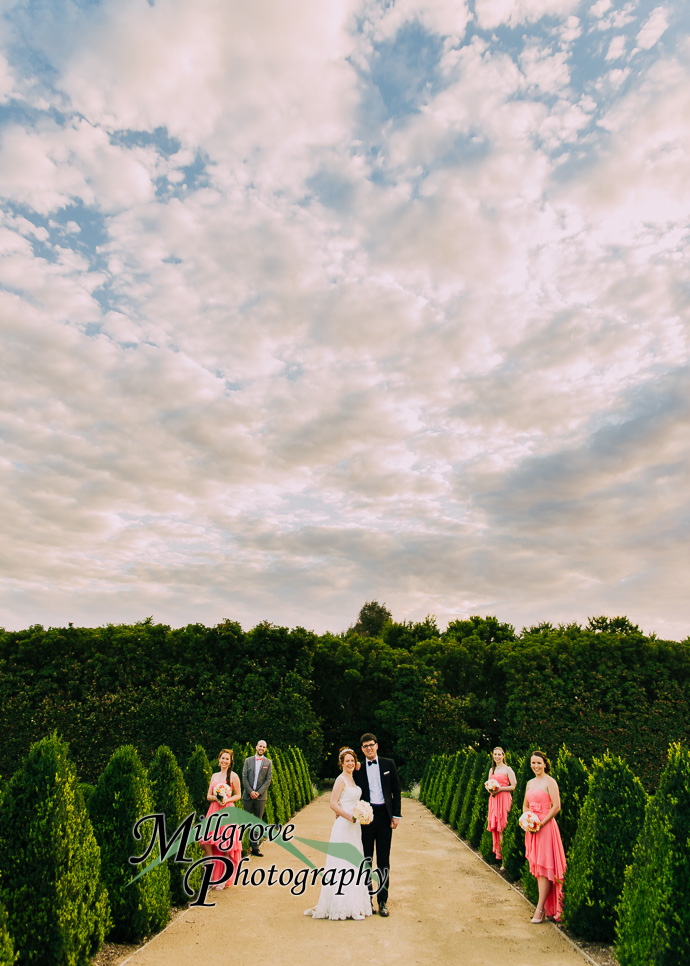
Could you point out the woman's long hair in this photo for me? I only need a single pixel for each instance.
(493, 763)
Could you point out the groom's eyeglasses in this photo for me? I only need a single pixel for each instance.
(369, 744)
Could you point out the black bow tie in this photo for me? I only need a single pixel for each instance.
(374, 762)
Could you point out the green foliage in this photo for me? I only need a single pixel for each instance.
(456, 770)
(373, 617)
(419, 712)
(424, 781)
(654, 913)
(486, 848)
(475, 779)
(123, 796)
(171, 797)
(610, 821)
(197, 775)
(607, 686)
(572, 776)
(50, 887)
(459, 794)
(480, 806)
(7, 954)
(513, 847)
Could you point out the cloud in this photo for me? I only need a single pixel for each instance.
(274, 344)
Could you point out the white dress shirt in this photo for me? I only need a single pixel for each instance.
(375, 786)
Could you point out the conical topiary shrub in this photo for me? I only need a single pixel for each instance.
(480, 807)
(610, 821)
(654, 912)
(197, 777)
(572, 776)
(475, 779)
(513, 847)
(460, 788)
(121, 798)
(56, 905)
(455, 769)
(170, 796)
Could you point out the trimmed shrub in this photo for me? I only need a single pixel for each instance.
(56, 905)
(572, 776)
(171, 797)
(480, 807)
(654, 912)
(7, 954)
(476, 778)
(424, 781)
(513, 837)
(610, 821)
(123, 796)
(197, 777)
(461, 787)
(441, 784)
(456, 769)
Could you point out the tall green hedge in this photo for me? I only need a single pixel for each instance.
(572, 776)
(56, 905)
(121, 798)
(654, 913)
(610, 822)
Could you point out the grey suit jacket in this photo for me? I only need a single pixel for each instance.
(264, 779)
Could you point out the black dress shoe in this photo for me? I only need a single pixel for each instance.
(383, 910)
(260, 854)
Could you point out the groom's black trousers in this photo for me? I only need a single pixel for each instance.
(379, 833)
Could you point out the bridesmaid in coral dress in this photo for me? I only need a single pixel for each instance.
(226, 776)
(544, 849)
(500, 798)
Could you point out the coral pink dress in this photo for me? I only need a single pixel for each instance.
(499, 806)
(223, 833)
(544, 851)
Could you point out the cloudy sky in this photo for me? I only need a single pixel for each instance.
(308, 302)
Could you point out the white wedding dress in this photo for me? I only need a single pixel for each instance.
(353, 901)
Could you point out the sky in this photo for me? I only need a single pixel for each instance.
(310, 302)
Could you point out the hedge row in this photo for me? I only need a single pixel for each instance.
(628, 876)
(65, 874)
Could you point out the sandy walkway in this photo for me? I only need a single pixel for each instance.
(446, 907)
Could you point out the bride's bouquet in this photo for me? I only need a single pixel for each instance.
(529, 822)
(223, 792)
(363, 813)
(492, 785)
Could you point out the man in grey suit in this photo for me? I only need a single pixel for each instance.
(257, 774)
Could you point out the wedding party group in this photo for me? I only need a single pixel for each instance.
(366, 800)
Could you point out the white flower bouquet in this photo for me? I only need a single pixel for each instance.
(492, 785)
(529, 822)
(223, 792)
(363, 813)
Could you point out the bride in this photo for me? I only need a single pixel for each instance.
(353, 901)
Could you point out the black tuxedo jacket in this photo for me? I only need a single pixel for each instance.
(389, 782)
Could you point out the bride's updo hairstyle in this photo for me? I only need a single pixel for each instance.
(341, 756)
(547, 763)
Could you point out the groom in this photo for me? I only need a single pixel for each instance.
(257, 774)
(380, 785)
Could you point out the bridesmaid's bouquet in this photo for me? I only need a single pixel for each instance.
(363, 813)
(492, 785)
(223, 792)
(529, 822)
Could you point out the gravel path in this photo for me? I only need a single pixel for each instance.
(445, 905)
